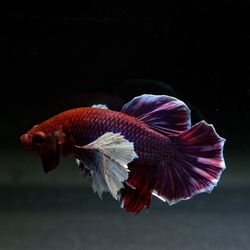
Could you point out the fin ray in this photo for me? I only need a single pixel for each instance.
(165, 114)
(111, 153)
(196, 168)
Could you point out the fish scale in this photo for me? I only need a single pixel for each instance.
(87, 124)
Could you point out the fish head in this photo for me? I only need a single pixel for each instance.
(45, 144)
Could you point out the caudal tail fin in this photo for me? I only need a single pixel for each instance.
(196, 166)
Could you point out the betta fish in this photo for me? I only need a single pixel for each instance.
(148, 148)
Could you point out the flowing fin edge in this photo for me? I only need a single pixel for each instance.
(221, 165)
(108, 165)
(165, 114)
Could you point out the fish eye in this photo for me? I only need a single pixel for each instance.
(38, 139)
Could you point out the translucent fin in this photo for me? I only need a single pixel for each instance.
(107, 158)
(196, 166)
(162, 113)
(100, 106)
(82, 169)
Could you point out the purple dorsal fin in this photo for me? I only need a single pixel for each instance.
(162, 113)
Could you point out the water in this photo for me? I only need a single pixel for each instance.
(99, 55)
(60, 211)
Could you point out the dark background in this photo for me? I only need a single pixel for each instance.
(201, 51)
(55, 61)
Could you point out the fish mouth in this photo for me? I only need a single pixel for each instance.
(25, 139)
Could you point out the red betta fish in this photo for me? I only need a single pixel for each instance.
(147, 148)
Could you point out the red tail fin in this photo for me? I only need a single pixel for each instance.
(195, 168)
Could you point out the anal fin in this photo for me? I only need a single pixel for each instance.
(137, 192)
(134, 200)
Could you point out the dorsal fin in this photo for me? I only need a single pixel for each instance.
(100, 106)
(165, 114)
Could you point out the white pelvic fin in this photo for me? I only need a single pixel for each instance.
(78, 162)
(111, 154)
(100, 106)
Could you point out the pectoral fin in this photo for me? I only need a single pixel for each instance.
(107, 158)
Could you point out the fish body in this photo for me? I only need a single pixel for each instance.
(147, 148)
(85, 125)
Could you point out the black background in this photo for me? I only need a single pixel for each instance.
(200, 51)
